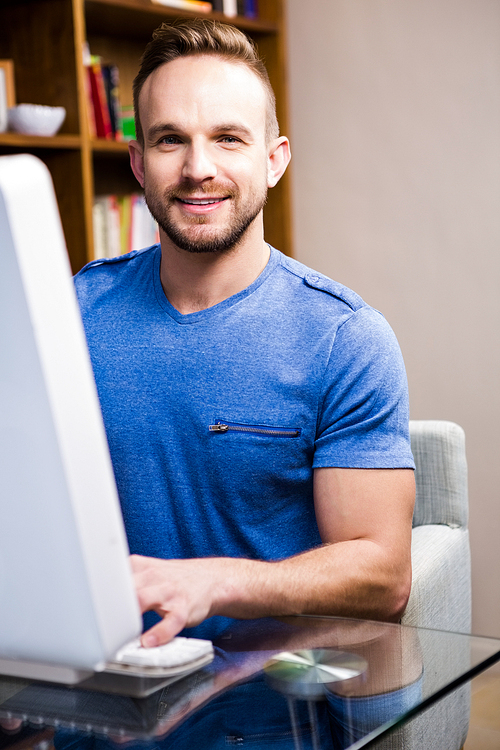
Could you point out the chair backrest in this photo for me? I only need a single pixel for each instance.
(441, 473)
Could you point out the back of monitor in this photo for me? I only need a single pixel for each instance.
(67, 601)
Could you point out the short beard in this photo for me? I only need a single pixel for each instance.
(223, 242)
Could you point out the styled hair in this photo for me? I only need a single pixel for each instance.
(202, 36)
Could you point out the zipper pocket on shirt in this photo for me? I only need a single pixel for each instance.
(255, 429)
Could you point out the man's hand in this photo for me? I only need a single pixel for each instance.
(182, 592)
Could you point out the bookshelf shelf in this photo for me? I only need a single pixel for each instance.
(38, 141)
(46, 40)
(134, 18)
(100, 145)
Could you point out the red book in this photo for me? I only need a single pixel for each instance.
(99, 101)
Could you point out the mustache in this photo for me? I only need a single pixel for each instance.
(216, 190)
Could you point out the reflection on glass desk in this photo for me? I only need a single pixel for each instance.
(298, 683)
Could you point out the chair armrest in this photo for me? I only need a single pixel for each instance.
(441, 476)
(441, 585)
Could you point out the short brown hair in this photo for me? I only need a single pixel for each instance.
(202, 36)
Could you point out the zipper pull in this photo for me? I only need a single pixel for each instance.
(218, 427)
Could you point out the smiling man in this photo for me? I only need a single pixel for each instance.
(256, 411)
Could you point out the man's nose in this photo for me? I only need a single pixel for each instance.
(199, 164)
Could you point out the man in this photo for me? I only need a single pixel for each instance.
(256, 411)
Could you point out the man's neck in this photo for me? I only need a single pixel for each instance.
(194, 282)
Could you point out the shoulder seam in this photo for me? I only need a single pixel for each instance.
(322, 283)
(111, 261)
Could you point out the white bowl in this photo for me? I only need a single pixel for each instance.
(36, 119)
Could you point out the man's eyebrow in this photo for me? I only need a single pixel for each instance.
(169, 127)
(165, 127)
(233, 127)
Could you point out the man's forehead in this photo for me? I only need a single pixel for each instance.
(208, 79)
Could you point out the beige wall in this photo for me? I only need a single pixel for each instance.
(395, 123)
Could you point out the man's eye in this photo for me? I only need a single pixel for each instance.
(230, 139)
(169, 140)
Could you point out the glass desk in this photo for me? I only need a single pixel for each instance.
(295, 683)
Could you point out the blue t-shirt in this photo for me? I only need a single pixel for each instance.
(216, 419)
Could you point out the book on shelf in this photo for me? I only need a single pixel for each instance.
(251, 9)
(103, 97)
(99, 99)
(111, 78)
(127, 123)
(122, 223)
(230, 8)
(197, 6)
(233, 8)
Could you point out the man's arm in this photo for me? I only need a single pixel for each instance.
(363, 569)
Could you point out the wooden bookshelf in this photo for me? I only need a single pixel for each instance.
(46, 38)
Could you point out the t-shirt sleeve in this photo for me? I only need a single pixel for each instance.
(363, 414)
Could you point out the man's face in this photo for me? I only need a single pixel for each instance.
(204, 166)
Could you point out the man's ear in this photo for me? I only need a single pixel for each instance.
(137, 161)
(278, 159)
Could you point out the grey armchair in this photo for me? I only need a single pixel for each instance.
(441, 589)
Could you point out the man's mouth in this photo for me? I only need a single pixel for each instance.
(201, 201)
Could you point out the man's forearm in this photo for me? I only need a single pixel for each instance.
(352, 578)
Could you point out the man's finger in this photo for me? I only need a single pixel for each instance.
(163, 631)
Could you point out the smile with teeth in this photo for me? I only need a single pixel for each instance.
(201, 206)
(201, 201)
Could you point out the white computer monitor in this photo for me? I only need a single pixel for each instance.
(67, 601)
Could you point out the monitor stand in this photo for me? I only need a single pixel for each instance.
(32, 670)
